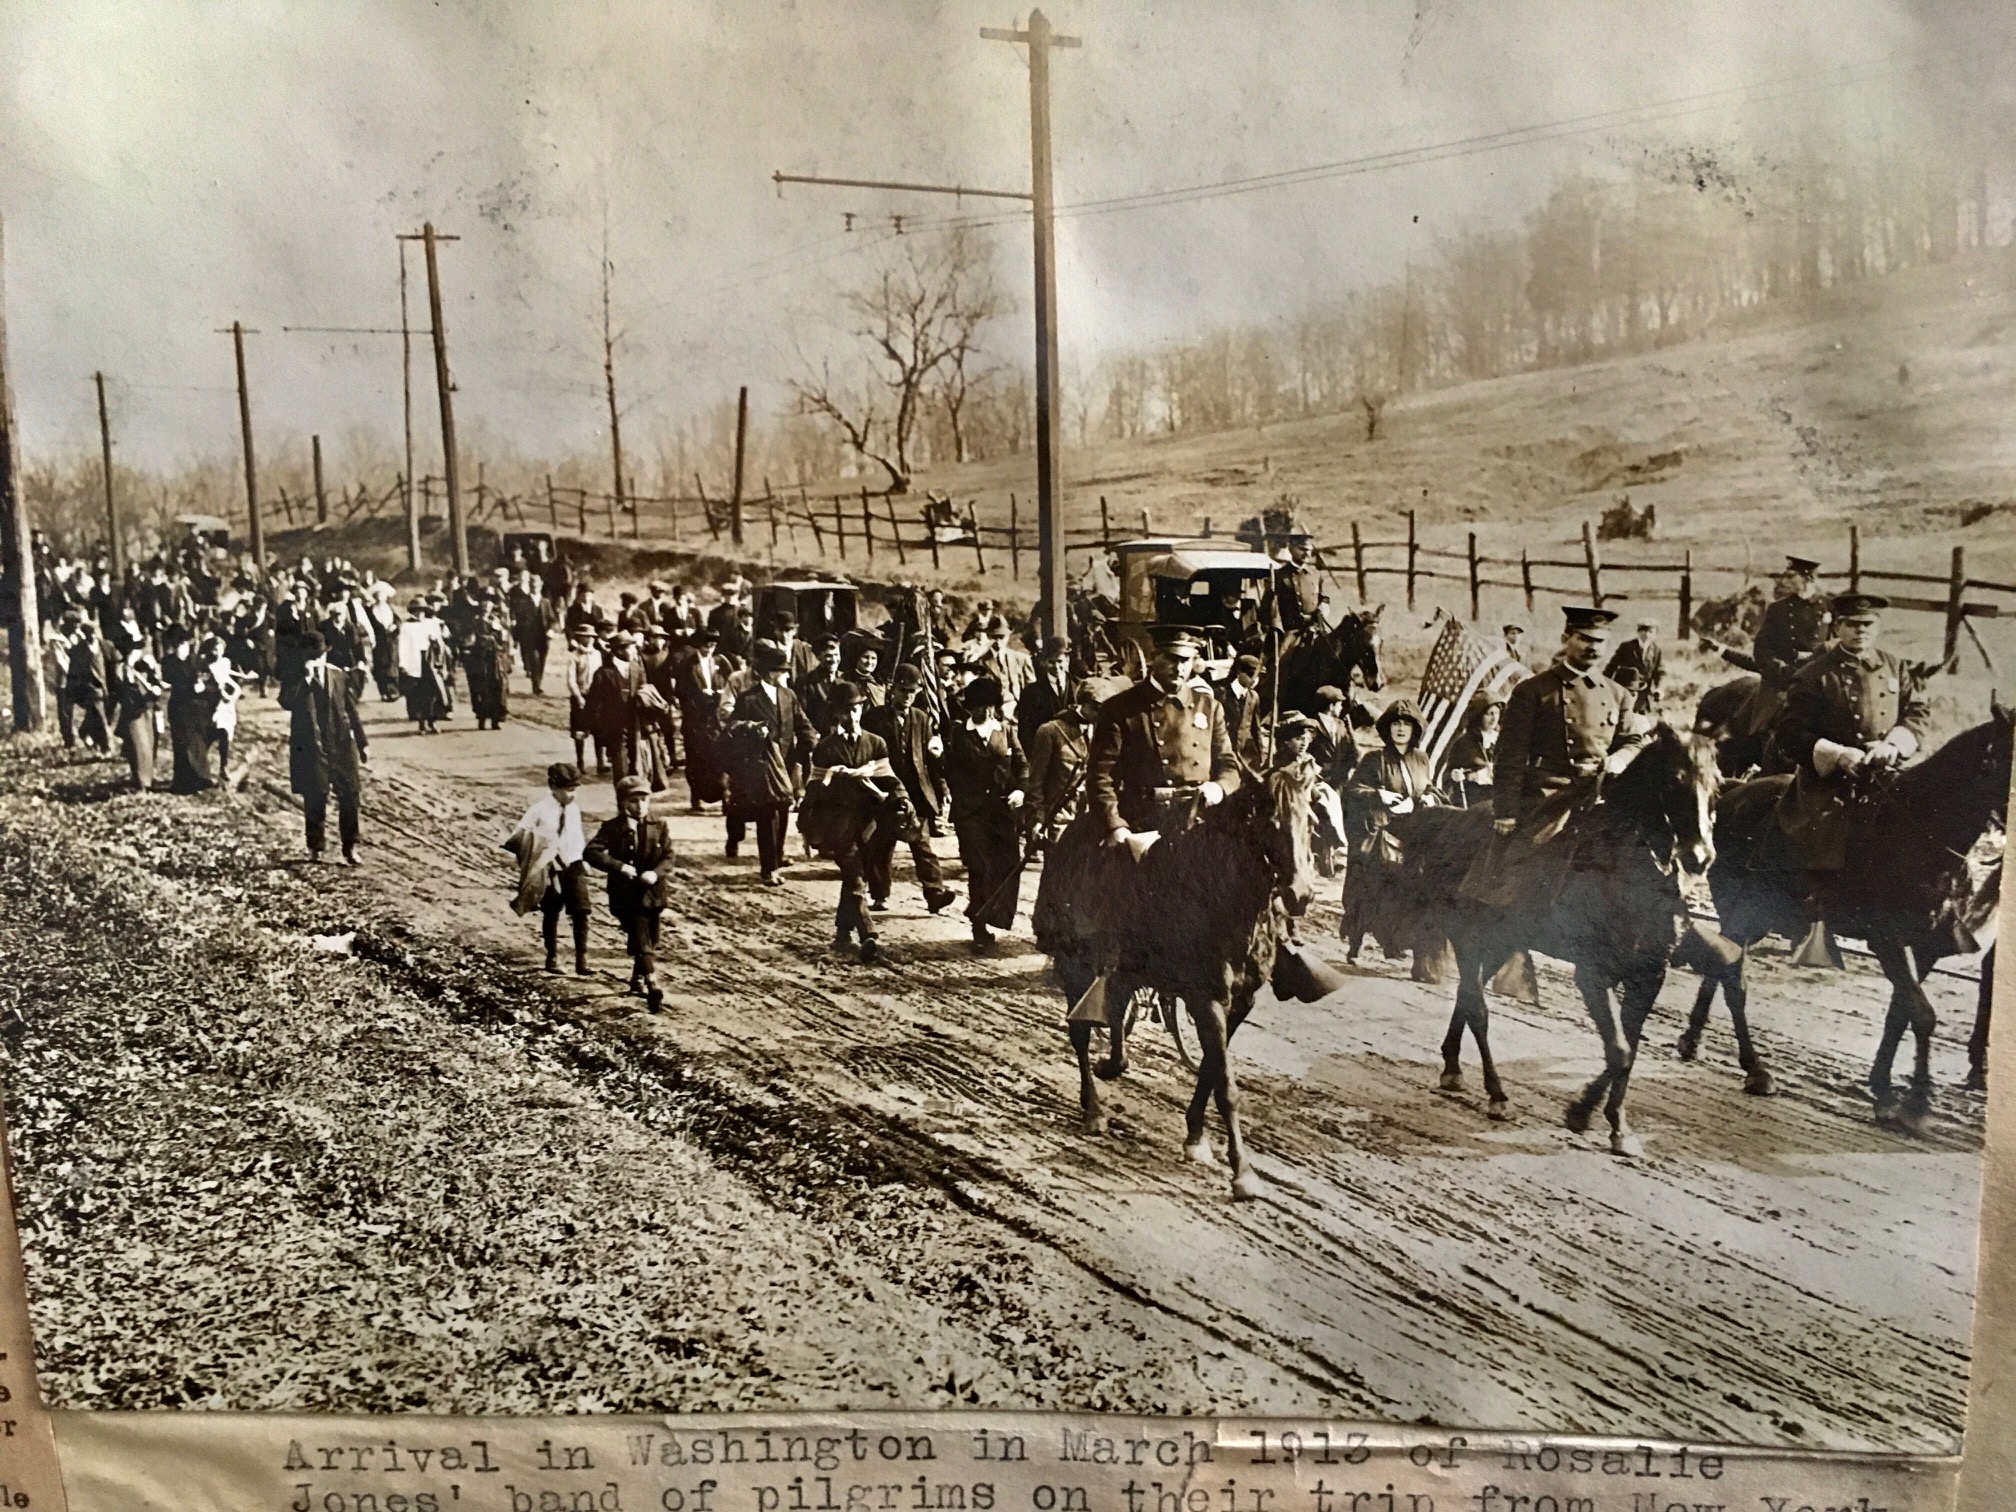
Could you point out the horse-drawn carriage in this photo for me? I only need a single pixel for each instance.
(821, 606)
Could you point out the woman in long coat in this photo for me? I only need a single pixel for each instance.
(423, 666)
(488, 667)
(136, 706)
(192, 701)
(1393, 780)
(987, 775)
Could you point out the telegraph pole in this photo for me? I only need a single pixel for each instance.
(609, 379)
(321, 498)
(741, 444)
(114, 550)
(255, 530)
(1051, 604)
(406, 393)
(18, 606)
(458, 530)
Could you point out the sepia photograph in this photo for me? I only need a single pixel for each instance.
(1270, 709)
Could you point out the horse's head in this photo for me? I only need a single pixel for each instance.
(1669, 790)
(1278, 811)
(1968, 777)
(1355, 643)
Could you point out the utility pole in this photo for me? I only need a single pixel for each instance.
(1040, 38)
(321, 498)
(18, 605)
(115, 551)
(1051, 604)
(741, 443)
(458, 530)
(255, 529)
(609, 380)
(406, 395)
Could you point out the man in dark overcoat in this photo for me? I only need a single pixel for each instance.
(635, 851)
(327, 747)
(771, 741)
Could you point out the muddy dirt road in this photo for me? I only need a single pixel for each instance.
(893, 1198)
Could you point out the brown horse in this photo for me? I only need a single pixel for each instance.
(1909, 887)
(1200, 916)
(1614, 913)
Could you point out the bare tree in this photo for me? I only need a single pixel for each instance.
(921, 319)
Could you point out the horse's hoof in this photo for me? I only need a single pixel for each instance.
(1201, 1152)
(1577, 1119)
(1247, 1186)
(1499, 1110)
(1688, 1047)
(1111, 1070)
(1977, 1079)
(1914, 1116)
(1093, 1123)
(1452, 1081)
(1888, 1104)
(1625, 1142)
(1759, 1083)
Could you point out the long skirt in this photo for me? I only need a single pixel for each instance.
(427, 696)
(487, 694)
(385, 664)
(137, 734)
(993, 861)
(189, 740)
(702, 729)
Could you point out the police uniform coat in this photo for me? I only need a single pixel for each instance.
(1149, 737)
(1793, 631)
(1837, 699)
(1558, 727)
(1297, 592)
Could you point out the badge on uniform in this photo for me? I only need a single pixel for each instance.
(1890, 684)
(1201, 720)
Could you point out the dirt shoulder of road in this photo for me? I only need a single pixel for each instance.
(276, 1149)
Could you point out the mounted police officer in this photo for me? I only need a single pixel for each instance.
(1160, 751)
(1851, 710)
(1792, 632)
(1564, 730)
(1298, 589)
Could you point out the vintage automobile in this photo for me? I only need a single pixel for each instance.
(208, 529)
(823, 606)
(537, 547)
(1213, 584)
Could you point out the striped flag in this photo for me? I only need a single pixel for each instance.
(1461, 665)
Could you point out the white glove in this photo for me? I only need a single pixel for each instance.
(1616, 761)
(649, 879)
(1120, 836)
(1211, 793)
(1015, 799)
(1830, 757)
(1504, 826)
(1401, 805)
(935, 746)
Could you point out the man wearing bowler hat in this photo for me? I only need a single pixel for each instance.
(1159, 752)
(327, 747)
(1564, 730)
(1852, 709)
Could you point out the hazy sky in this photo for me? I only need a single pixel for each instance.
(171, 166)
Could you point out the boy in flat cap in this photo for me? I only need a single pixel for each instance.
(635, 851)
(552, 877)
(1850, 709)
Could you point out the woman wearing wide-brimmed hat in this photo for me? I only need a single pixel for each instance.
(1391, 781)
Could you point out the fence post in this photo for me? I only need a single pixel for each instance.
(1595, 566)
(818, 536)
(770, 502)
(1413, 553)
(931, 531)
(839, 527)
(1854, 558)
(1146, 528)
(1956, 605)
(581, 504)
(1358, 559)
(1526, 577)
(1687, 594)
(1207, 527)
(1105, 524)
(1476, 605)
(867, 524)
(1014, 539)
(610, 501)
(979, 555)
(552, 505)
(895, 530)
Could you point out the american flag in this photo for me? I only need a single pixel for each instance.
(1462, 665)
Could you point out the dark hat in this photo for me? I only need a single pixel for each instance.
(845, 695)
(784, 619)
(1293, 724)
(705, 633)
(1396, 711)
(1329, 694)
(769, 656)
(1801, 564)
(1857, 606)
(1051, 648)
(563, 774)
(906, 676)
(873, 643)
(1646, 624)
(997, 625)
(828, 639)
(1176, 638)
(311, 640)
(1628, 677)
(632, 787)
(1580, 617)
(1512, 629)
(1246, 664)
(981, 693)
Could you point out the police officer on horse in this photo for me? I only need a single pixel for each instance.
(1160, 752)
(1792, 632)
